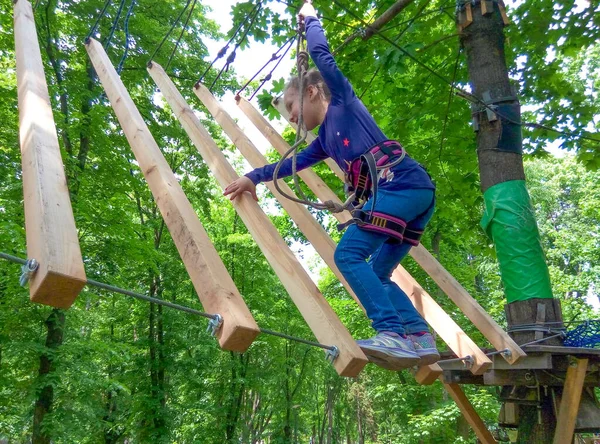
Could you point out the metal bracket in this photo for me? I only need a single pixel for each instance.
(507, 354)
(27, 271)
(332, 354)
(214, 324)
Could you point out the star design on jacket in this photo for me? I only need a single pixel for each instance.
(346, 142)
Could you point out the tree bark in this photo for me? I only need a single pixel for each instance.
(43, 405)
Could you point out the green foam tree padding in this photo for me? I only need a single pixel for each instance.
(510, 221)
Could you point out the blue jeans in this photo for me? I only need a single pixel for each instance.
(385, 303)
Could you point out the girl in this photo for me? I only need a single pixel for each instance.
(385, 229)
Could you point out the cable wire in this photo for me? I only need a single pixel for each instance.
(181, 35)
(93, 29)
(111, 33)
(170, 30)
(178, 307)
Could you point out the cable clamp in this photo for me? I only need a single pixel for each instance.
(214, 324)
(331, 354)
(27, 271)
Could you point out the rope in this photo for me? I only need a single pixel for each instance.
(182, 308)
(126, 51)
(275, 56)
(93, 30)
(170, 30)
(224, 49)
(231, 56)
(114, 25)
(181, 34)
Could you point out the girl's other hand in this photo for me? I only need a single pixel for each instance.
(239, 186)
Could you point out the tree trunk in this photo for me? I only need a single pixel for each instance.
(43, 405)
(499, 151)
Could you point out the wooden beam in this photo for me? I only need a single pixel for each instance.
(279, 106)
(472, 417)
(428, 374)
(430, 310)
(443, 324)
(50, 226)
(214, 286)
(569, 405)
(467, 304)
(456, 292)
(309, 226)
(325, 324)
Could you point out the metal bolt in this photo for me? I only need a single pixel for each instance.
(27, 271)
(214, 324)
(332, 354)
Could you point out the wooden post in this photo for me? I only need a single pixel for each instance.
(50, 226)
(428, 374)
(309, 226)
(430, 310)
(456, 292)
(474, 420)
(214, 286)
(569, 405)
(312, 305)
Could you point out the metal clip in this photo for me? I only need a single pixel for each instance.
(27, 271)
(468, 361)
(214, 324)
(507, 354)
(332, 354)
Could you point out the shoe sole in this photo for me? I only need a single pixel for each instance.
(429, 358)
(391, 362)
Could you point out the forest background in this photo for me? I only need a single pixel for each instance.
(124, 370)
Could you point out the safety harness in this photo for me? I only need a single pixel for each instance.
(362, 178)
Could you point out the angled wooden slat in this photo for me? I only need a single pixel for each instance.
(468, 305)
(456, 292)
(214, 286)
(469, 413)
(309, 226)
(443, 324)
(460, 343)
(50, 226)
(569, 405)
(428, 374)
(312, 305)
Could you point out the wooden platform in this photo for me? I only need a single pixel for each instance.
(544, 365)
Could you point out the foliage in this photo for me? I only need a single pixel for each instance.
(131, 371)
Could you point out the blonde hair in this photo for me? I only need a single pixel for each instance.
(312, 77)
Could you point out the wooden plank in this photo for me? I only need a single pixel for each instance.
(456, 292)
(430, 310)
(312, 305)
(558, 350)
(214, 286)
(443, 324)
(569, 405)
(309, 226)
(279, 106)
(467, 304)
(428, 374)
(50, 226)
(472, 417)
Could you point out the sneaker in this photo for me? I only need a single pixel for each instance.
(390, 351)
(425, 347)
